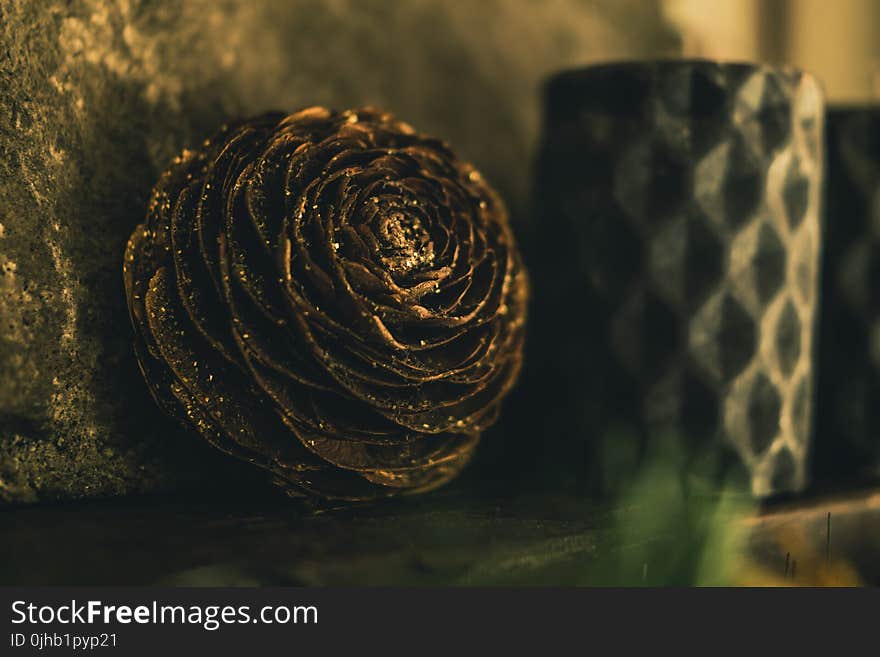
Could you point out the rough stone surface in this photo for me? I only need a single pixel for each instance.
(683, 204)
(98, 96)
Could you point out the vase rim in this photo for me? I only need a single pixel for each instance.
(867, 106)
(672, 63)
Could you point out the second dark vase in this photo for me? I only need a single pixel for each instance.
(848, 417)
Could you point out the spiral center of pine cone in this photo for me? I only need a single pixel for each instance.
(405, 244)
(332, 297)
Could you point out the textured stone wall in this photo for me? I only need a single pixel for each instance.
(96, 97)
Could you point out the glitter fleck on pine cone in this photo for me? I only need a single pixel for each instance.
(330, 296)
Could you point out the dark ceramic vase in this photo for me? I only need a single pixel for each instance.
(848, 417)
(678, 208)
